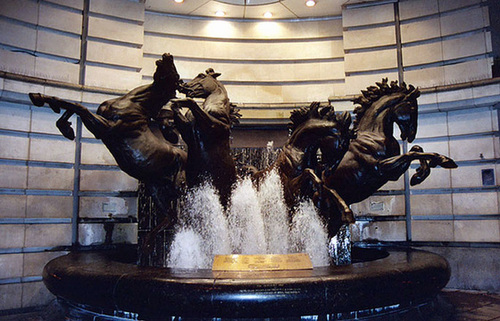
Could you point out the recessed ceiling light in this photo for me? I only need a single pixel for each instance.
(268, 15)
(220, 13)
(178, 1)
(310, 3)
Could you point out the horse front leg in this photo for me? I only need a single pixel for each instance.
(181, 122)
(324, 195)
(97, 124)
(393, 167)
(204, 119)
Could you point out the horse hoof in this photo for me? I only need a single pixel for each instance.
(416, 148)
(37, 99)
(65, 129)
(415, 180)
(449, 163)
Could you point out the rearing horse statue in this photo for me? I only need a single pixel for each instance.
(206, 132)
(374, 157)
(125, 125)
(313, 129)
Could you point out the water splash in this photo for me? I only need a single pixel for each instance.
(275, 214)
(256, 222)
(187, 251)
(308, 234)
(340, 246)
(245, 220)
(202, 214)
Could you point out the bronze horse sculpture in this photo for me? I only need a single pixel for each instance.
(314, 130)
(126, 126)
(206, 131)
(324, 159)
(373, 157)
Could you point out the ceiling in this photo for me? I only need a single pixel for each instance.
(250, 9)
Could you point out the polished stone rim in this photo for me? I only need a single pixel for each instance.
(100, 282)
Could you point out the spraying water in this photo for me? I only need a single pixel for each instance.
(308, 234)
(256, 222)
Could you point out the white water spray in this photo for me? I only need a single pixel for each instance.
(256, 222)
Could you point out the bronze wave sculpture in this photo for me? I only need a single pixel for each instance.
(354, 162)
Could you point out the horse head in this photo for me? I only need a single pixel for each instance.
(166, 76)
(386, 104)
(405, 114)
(320, 128)
(202, 85)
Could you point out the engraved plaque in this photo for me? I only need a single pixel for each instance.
(262, 262)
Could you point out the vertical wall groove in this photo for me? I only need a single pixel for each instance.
(406, 176)
(76, 183)
(84, 43)
(78, 145)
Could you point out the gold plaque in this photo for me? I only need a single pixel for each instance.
(262, 262)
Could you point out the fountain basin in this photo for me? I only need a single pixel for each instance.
(109, 283)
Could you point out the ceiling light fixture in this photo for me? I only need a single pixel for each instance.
(268, 15)
(310, 3)
(220, 13)
(178, 1)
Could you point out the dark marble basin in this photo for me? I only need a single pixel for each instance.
(110, 282)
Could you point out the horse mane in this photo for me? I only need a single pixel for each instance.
(313, 111)
(374, 93)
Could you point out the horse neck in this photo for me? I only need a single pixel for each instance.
(299, 140)
(217, 101)
(377, 121)
(150, 97)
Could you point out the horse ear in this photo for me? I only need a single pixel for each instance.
(414, 93)
(211, 72)
(314, 109)
(345, 119)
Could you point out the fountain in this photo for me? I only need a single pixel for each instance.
(214, 205)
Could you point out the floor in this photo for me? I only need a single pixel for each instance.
(455, 305)
(472, 306)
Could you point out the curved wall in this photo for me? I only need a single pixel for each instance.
(55, 192)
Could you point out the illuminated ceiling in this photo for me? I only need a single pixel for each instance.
(250, 9)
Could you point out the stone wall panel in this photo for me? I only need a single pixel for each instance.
(52, 150)
(106, 181)
(119, 8)
(14, 147)
(115, 30)
(104, 207)
(23, 10)
(12, 236)
(17, 35)
(50, 178)
(375, 37)
(114, 54)
(47, 206)
(58, 44)
(12, 206)
(365, 16)
(48, 235)
(11, 265)
(431, 204)
(417, 8)
(12, 176)
(426, 231)
(67, 20)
